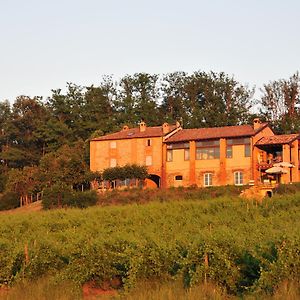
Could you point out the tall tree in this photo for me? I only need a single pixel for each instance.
(280, 103)
(137, 99)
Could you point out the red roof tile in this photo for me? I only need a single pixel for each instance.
(277, 139)
(213, 133)
(134, 133)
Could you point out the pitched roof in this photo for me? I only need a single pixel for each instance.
(214, 133)
(133, 133)
(277, 139)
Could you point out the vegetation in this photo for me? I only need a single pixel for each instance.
(240, 247)
(46, 141)
(126, 172)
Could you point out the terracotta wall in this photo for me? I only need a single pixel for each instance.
(127, 151)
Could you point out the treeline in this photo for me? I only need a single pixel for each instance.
(33, 127)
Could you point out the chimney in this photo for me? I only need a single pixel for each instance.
(165, 128)
(256, 123)
(142, 126)
(125, 127)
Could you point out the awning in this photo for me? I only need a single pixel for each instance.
(276, 170)
(284, 164)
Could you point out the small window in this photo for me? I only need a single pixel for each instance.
(113, 145)
(148, 160)
(247, 151)
(148, 143)
(208, 179)
(169, 155)
(229, 152)
(238, 178)
(178, 177)
(113, 162)
(186, 154)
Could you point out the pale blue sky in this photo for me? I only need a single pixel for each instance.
(45, 44)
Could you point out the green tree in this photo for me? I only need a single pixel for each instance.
(280, 104)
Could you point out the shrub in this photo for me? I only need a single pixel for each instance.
(82, 199)
(63, 196)
(287, 188)
(56, 196)
(9, 200)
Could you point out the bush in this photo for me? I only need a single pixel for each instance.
(82, 199)
(287, 188)
(63, 196)
(9, 200)
(56, 196)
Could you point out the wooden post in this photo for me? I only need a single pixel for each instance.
(206, 265)
(26, 254)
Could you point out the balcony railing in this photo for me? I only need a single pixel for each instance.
(264, 165)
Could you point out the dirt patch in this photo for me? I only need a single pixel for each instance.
(91, 290)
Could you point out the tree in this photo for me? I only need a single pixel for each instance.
(280, 103)
(22, 146)
(137, 99)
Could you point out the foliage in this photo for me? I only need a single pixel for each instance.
(125, 172)
(9, 200)
(284, 189)
(280, 104)
(237, 245)
(59, 196)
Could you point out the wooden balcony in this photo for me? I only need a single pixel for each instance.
(264, 165)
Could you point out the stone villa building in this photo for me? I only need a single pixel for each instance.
(202, 156)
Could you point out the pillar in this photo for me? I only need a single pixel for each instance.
(192, 162)
(295, 161)
(223, 173)
(286, 157)
(164, 165)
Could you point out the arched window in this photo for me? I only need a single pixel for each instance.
(238, 178)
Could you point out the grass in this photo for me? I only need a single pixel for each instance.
(156, 250)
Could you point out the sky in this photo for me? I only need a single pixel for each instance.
(45, 44)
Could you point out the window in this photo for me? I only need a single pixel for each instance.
(169, 155)
(148, 160)
(229, 152)
(238, 178)
(208, 179)
(178, 146)
(113, 145)
(148, 142)
(210, 143)
(207, 153)
(240, 141)
(208, 149)
(113, 162)
(247, 150)
(186, 154)
(178, 177)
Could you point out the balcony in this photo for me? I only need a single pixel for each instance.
(264, 165)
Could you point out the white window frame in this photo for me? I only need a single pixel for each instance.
(148, 161)
(207, 179)
(169, 155)
(113, 162)
(238, 178)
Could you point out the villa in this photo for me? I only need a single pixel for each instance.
(239, 155)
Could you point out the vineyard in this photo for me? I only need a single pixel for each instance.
(240, 246)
